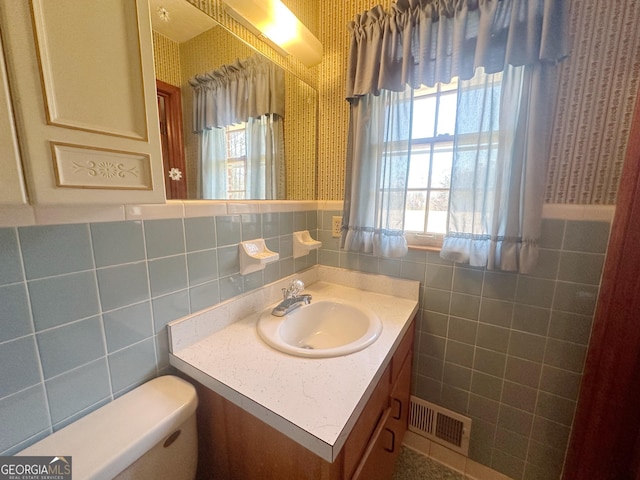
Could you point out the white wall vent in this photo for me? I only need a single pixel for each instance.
(440, 425)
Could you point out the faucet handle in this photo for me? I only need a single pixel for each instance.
(297, 286)
(294, 289)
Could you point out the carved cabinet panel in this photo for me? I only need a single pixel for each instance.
(83, 90)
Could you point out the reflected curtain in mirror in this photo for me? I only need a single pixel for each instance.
(238, 112)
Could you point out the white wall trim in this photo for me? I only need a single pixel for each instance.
(59, 215)
(21, 216)
(335, 205)
(563, 211)
(560, 211)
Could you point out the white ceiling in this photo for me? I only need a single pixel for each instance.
(185, 20)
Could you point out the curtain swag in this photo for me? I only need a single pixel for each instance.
(429, 41)
(233, 93)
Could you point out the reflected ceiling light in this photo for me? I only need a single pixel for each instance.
(272, 20)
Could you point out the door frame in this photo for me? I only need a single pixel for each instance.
(175, 189)
(607, 421)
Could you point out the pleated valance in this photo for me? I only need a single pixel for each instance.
(423, 42)
(233, 93)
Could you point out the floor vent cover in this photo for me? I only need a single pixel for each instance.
(440, 425)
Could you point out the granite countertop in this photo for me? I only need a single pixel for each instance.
(313, 401)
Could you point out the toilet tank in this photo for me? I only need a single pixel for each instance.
(148, 433)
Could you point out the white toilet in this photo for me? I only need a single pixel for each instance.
(148, 433)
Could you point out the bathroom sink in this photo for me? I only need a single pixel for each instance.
(324, 328)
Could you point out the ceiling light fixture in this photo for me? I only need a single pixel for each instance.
(272, 20)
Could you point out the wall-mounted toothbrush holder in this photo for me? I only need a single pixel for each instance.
(254, 255)
(303, 243)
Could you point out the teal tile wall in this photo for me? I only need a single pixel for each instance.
(505, 349)
(84, 308)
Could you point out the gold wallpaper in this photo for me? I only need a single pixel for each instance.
(300, 139)
(597, 90)
(166, 56)
(305, 10)
(598, 86)
(217, 47)
(333, 121)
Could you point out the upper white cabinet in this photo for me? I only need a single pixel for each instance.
(83, 90)
(12, 190)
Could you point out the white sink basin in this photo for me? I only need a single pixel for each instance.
(324, 328)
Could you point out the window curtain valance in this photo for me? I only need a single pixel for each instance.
(505, 54)
(429, 41)
(233, 93)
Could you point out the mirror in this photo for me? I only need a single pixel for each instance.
(187, 42)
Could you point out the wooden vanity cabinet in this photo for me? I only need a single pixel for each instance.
(383, 448)
(233, 444)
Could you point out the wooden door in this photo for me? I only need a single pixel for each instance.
(170, 113)
(607, 425)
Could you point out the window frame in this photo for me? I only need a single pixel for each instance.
(428, 144)
(433, 240)
(231, 162)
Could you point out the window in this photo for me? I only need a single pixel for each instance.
(431, 161)
(236, 161)
(434, 120)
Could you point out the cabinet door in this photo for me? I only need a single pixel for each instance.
(399, 400)
(12, 190)
(378, 460)
(360, 438)
(83, 88)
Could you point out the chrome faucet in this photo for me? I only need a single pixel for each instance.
(292, 298)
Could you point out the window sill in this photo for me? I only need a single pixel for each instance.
(424, 248)
(424, 242)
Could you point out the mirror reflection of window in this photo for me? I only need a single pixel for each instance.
(239, 119)
(236, 161)
(193, 43)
